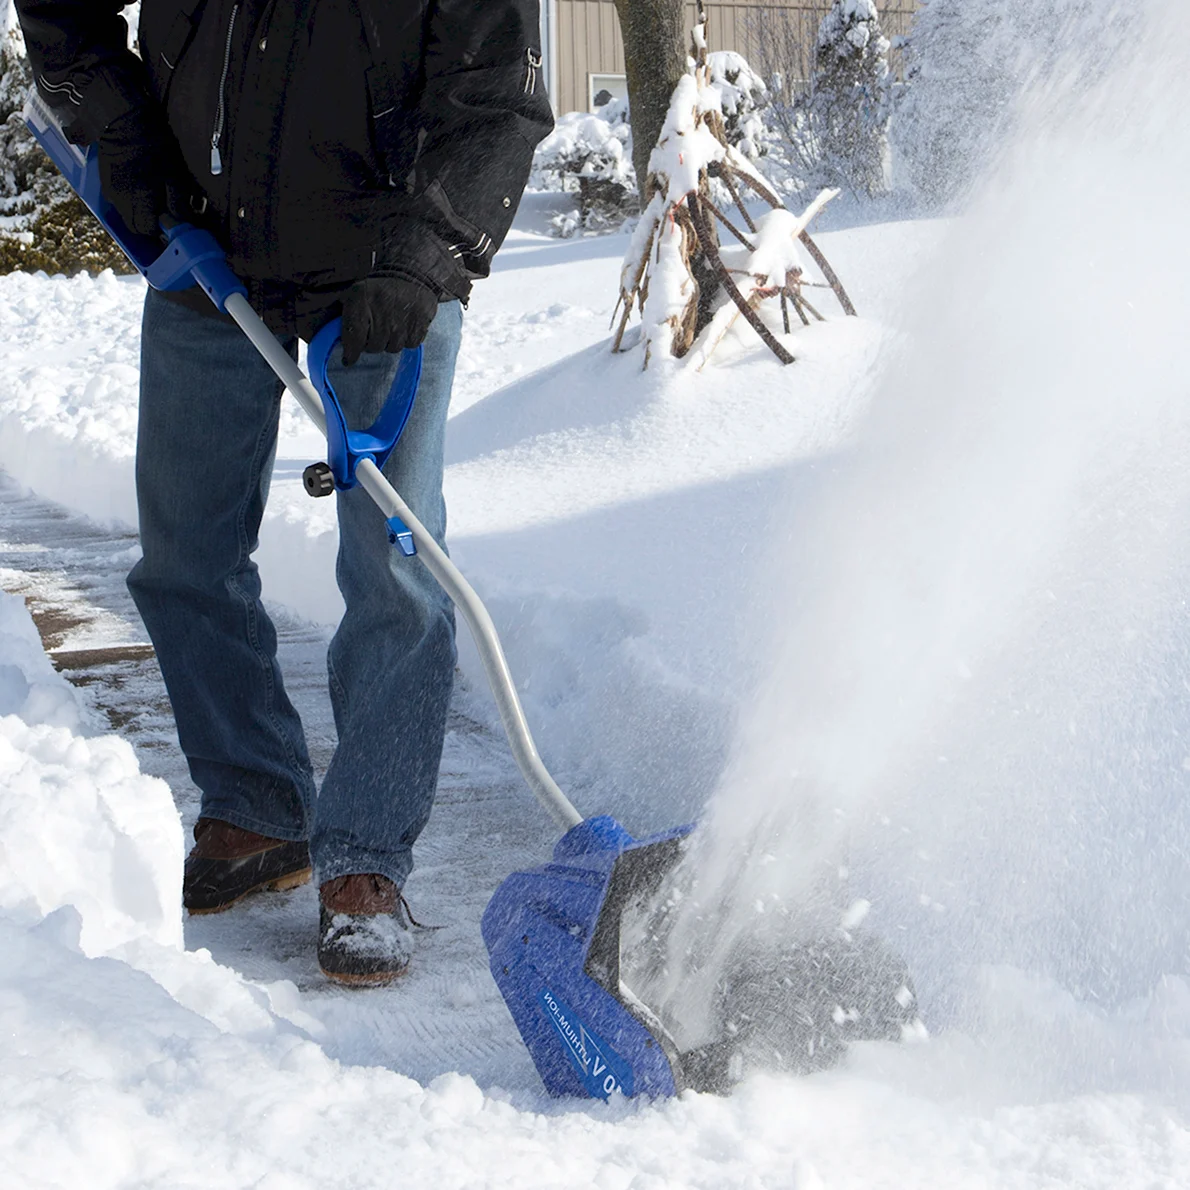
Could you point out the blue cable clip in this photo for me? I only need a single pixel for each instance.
(193, 256)
(401, 536)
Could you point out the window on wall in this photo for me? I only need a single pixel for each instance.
(603, 88)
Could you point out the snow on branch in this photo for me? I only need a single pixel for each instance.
(688, 288)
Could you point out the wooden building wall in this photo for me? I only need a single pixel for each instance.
(586, 36)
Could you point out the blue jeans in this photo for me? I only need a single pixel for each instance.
(206, 441)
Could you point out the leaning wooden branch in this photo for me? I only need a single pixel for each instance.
(711, 251)
(742, 168)
(633, 292)
(831, 276)
(731, 227)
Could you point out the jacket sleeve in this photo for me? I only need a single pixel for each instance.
(81, 62)
(482, 110)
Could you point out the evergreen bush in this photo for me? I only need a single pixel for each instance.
(43, 225)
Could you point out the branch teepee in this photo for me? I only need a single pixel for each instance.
(688, 288)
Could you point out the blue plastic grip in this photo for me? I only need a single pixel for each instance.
(346, 448)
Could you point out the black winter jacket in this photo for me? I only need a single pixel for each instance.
(320, 133)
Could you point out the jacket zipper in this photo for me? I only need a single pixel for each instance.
(221, 110)
(533, 65)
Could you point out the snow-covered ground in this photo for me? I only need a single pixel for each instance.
(587, 500)
(618, 523)
(913, 607)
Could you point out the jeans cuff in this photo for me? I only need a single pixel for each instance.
(395, 865)
(290, 834)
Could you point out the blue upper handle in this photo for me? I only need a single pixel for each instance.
(346, 448)
(191, 256)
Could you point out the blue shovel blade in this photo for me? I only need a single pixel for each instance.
(553, 939)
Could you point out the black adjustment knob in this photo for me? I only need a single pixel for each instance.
(319, 479)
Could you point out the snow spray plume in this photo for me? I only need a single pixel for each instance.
(1017, 497)
(967, 61)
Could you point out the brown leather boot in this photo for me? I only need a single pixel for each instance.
(228, 862)
(363, 930)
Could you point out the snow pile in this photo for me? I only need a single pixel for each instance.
(91, 868)
(30, 687)
(80, 826)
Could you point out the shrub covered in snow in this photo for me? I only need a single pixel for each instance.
(42, 224)
(833, 132)
(743, 97)
(849, 99)
(590, 154)
(27, 179)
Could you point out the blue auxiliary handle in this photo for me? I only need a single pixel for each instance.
(193, 256)
(346, 448)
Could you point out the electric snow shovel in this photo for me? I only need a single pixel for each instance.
(553, 934)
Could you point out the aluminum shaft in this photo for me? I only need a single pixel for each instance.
(469, 604)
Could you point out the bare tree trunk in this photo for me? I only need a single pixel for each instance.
(654, 36)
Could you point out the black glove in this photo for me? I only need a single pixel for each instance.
(385, 314)
(139, 169)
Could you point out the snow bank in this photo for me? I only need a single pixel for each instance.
(30, 687)
(68, 412)
(91, 848)
(109, 1082)
(127, 1061)
(80, 826)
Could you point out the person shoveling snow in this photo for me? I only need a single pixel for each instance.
(201, 600)
(285, 147)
